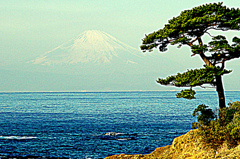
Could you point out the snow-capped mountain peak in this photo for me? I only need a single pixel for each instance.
(90, 46)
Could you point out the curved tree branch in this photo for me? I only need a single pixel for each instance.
(209, 34)
(202, 55)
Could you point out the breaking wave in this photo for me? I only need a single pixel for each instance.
(17, 137)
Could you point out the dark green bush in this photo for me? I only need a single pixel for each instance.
(205, 115)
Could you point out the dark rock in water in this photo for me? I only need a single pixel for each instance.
(128, 138)
(104, 137)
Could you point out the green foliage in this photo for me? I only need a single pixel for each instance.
(235, 105)
(234, 127)
(224, 129)
(205, 115)
(186, 93)
(222, 50)
(196, 49)
(229, 115)
(194, 23)
(194, 77)
(214, 134)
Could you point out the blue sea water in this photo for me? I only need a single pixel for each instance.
(74, 124)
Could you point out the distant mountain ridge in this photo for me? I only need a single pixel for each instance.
(90, 46)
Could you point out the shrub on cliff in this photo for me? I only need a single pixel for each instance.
(218, 130)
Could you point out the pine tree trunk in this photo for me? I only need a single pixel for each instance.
(220, 91)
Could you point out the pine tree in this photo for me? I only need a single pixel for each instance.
(188, 29)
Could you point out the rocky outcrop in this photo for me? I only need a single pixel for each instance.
(188, 146)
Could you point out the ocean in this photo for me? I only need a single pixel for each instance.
(95, 124)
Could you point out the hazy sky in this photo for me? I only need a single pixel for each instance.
(29, 28)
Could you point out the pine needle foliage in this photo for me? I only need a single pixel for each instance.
(196, 77)
(186, 93)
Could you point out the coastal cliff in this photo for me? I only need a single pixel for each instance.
(187, 146)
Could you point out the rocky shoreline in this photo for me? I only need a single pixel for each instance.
(186, 146)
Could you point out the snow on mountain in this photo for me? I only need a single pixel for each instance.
(91, 46)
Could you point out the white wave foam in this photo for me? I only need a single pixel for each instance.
(17, 137)
(113, 134)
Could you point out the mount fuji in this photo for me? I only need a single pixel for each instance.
(91, 46)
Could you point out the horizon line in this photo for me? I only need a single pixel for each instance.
(107, 91)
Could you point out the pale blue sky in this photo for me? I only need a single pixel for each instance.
(29, 28)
